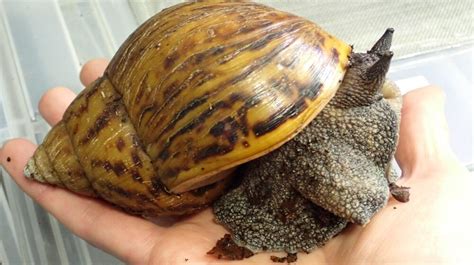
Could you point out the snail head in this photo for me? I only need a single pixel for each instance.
(365, 76)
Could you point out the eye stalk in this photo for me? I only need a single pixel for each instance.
(384, 43)
(380, 67)
(364, 78)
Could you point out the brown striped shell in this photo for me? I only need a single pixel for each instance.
(195, 91)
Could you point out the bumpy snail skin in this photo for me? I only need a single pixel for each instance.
(265, 213)
(345, 171)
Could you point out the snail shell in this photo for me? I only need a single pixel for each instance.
(195, 91)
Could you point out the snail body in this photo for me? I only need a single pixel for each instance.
(204, 87)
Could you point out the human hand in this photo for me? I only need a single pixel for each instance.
(433, 227)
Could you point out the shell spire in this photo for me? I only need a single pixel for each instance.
(95, 151)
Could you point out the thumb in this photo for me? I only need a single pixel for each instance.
(424, 138)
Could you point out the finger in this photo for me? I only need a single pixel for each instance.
(127, 237)
(92, 70)
(54, 102)
(13, 161)
(423, 128)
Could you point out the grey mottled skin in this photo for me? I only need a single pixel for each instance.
(339, 162)
(266, 213)
(336, 170)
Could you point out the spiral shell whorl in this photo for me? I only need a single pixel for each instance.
(95, 151)
(45, 166)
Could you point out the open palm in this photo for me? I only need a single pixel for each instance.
(433, 227)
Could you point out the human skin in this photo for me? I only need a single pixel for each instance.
(433, 227)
